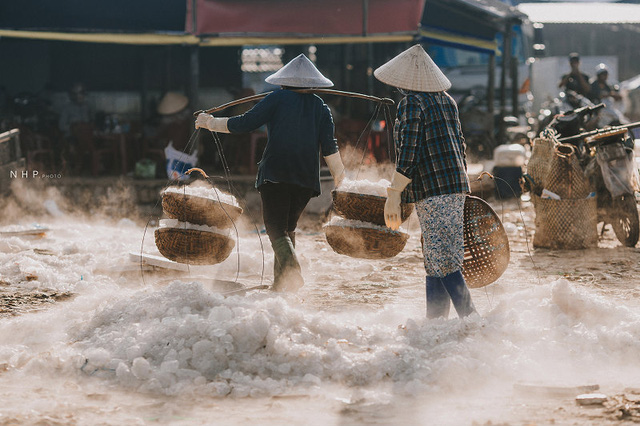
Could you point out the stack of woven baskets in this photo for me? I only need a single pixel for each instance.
(360, 230)
(198, 229)
(564, 202)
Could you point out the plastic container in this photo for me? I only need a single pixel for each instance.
(512, 155)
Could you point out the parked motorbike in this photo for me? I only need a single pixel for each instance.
(607, 157)
(484, 131)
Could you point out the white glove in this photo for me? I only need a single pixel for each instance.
(392, 211)
(209, 122)
(335, 167)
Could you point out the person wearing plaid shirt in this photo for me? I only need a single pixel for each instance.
(437, 166)
(431, 171)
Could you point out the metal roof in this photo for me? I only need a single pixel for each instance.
(582, 13)
(496, 8)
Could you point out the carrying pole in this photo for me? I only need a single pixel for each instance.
(386, 101)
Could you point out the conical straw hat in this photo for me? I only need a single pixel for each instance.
(299, 72)
(172, 103)
(413, 69)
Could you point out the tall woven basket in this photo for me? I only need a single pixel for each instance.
(193, 246)
(486, 245)
(199, 210)
(538, 164)
(365, 242)
(365, 207)
(565, 224)
(565, 176)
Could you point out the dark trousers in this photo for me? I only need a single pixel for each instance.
(282, 206)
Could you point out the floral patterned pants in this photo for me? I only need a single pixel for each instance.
(441, 221)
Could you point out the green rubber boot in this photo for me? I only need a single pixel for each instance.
(287, 275)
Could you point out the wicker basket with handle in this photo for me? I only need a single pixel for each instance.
(538, 164)
(193, 246)
(565, 176)
(364, 207)
(199, 210)
(365, 241)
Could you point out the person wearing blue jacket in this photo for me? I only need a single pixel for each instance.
(431, 171)
(300, 128)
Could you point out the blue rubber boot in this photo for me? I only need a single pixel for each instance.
(459, 293)
(438, 300)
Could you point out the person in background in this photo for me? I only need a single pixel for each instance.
(575, 81)
(167, 135)
(602, 92)
(77, 110)
(300, 128)
(431, 171)
(600, 89)
(175, 120)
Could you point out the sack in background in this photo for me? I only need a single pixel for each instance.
(179, 162)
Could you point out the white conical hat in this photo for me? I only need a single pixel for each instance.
(299, 72)
(172, 102)
(413, 69)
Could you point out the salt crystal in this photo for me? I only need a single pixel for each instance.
(365, 186)
(175, 223)
(210, 193)
(591, 398)
(98, 356)
(122, 371)
(169, 366)
(141, 368)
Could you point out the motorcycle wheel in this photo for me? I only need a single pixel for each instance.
(624, 220)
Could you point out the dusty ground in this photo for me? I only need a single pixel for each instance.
(610, 268)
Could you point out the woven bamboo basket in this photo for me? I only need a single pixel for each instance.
(566, 224)
(538, 164)
(193, 246)
(365, 207)
(565, 176)
(199, 210)
(486, 245)
(365, 242)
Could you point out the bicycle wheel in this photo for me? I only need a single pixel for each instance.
(624, 220)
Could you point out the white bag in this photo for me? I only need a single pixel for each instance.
(618, 169)
(179, 162)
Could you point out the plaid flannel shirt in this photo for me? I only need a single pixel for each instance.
(430, 147)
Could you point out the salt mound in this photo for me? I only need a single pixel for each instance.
(183, 337)
(210, 193)
(175, 223)
(365, 187)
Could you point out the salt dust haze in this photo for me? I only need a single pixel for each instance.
(131, 345)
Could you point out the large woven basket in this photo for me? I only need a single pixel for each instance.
(364, 207)
(365, 242)
(486, 245)
(538, 164)
(566, 224)
(199, 210)
(565, 176)
(193, 246)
